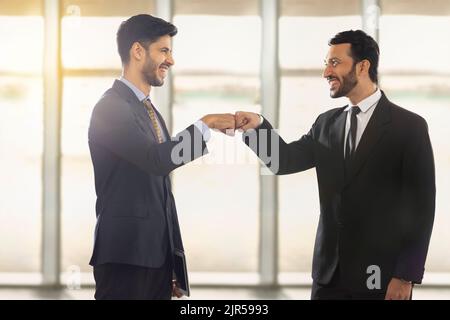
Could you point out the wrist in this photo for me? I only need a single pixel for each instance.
(208, 121)
(404, 281)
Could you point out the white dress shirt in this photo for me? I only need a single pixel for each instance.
(367, 107)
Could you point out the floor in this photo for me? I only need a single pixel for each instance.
(203, 294)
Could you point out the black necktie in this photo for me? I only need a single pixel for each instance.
(350, 145)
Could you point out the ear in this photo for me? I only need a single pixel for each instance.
(137, 51)
(364, 67)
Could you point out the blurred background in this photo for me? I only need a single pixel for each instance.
(58, 57)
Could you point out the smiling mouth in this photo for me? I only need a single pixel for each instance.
(333, 82)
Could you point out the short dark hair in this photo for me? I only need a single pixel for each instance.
(142, 28)
(362, 47)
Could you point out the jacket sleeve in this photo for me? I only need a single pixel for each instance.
(418, 204)
(114, 127)
(281, 157)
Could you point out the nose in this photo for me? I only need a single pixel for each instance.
(170, 61)
(326, 72)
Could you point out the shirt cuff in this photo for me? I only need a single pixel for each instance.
(204, 129)
(261, 119)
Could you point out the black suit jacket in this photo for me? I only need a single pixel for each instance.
(378, 212)
(136, 215)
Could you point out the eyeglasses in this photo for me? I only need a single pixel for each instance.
(333, 62)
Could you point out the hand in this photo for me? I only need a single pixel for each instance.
(398, 289)
(176, 289)
(224, 122)
(247, 120)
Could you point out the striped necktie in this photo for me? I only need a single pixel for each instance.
(152, 115)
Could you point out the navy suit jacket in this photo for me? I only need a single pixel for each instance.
(380, 211)
(137, 220)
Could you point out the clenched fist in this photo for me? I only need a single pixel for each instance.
(247, 120)
(224, 122)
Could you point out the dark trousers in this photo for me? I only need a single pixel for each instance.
(114, 281)
(336, 290)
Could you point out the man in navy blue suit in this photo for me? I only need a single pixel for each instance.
(137, 229)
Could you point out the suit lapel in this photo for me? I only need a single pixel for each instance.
(167, 134)
(336, 138)
(372, 134)
(163, 124)
(137, 107)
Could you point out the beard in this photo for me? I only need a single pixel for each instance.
(348, 82)
(150, 73)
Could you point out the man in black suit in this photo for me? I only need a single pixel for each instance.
(137, 229)
(375, 170)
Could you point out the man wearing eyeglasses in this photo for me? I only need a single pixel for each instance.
(375, 170)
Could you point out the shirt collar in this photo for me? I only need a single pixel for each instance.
(139, 94)
(368, 102)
